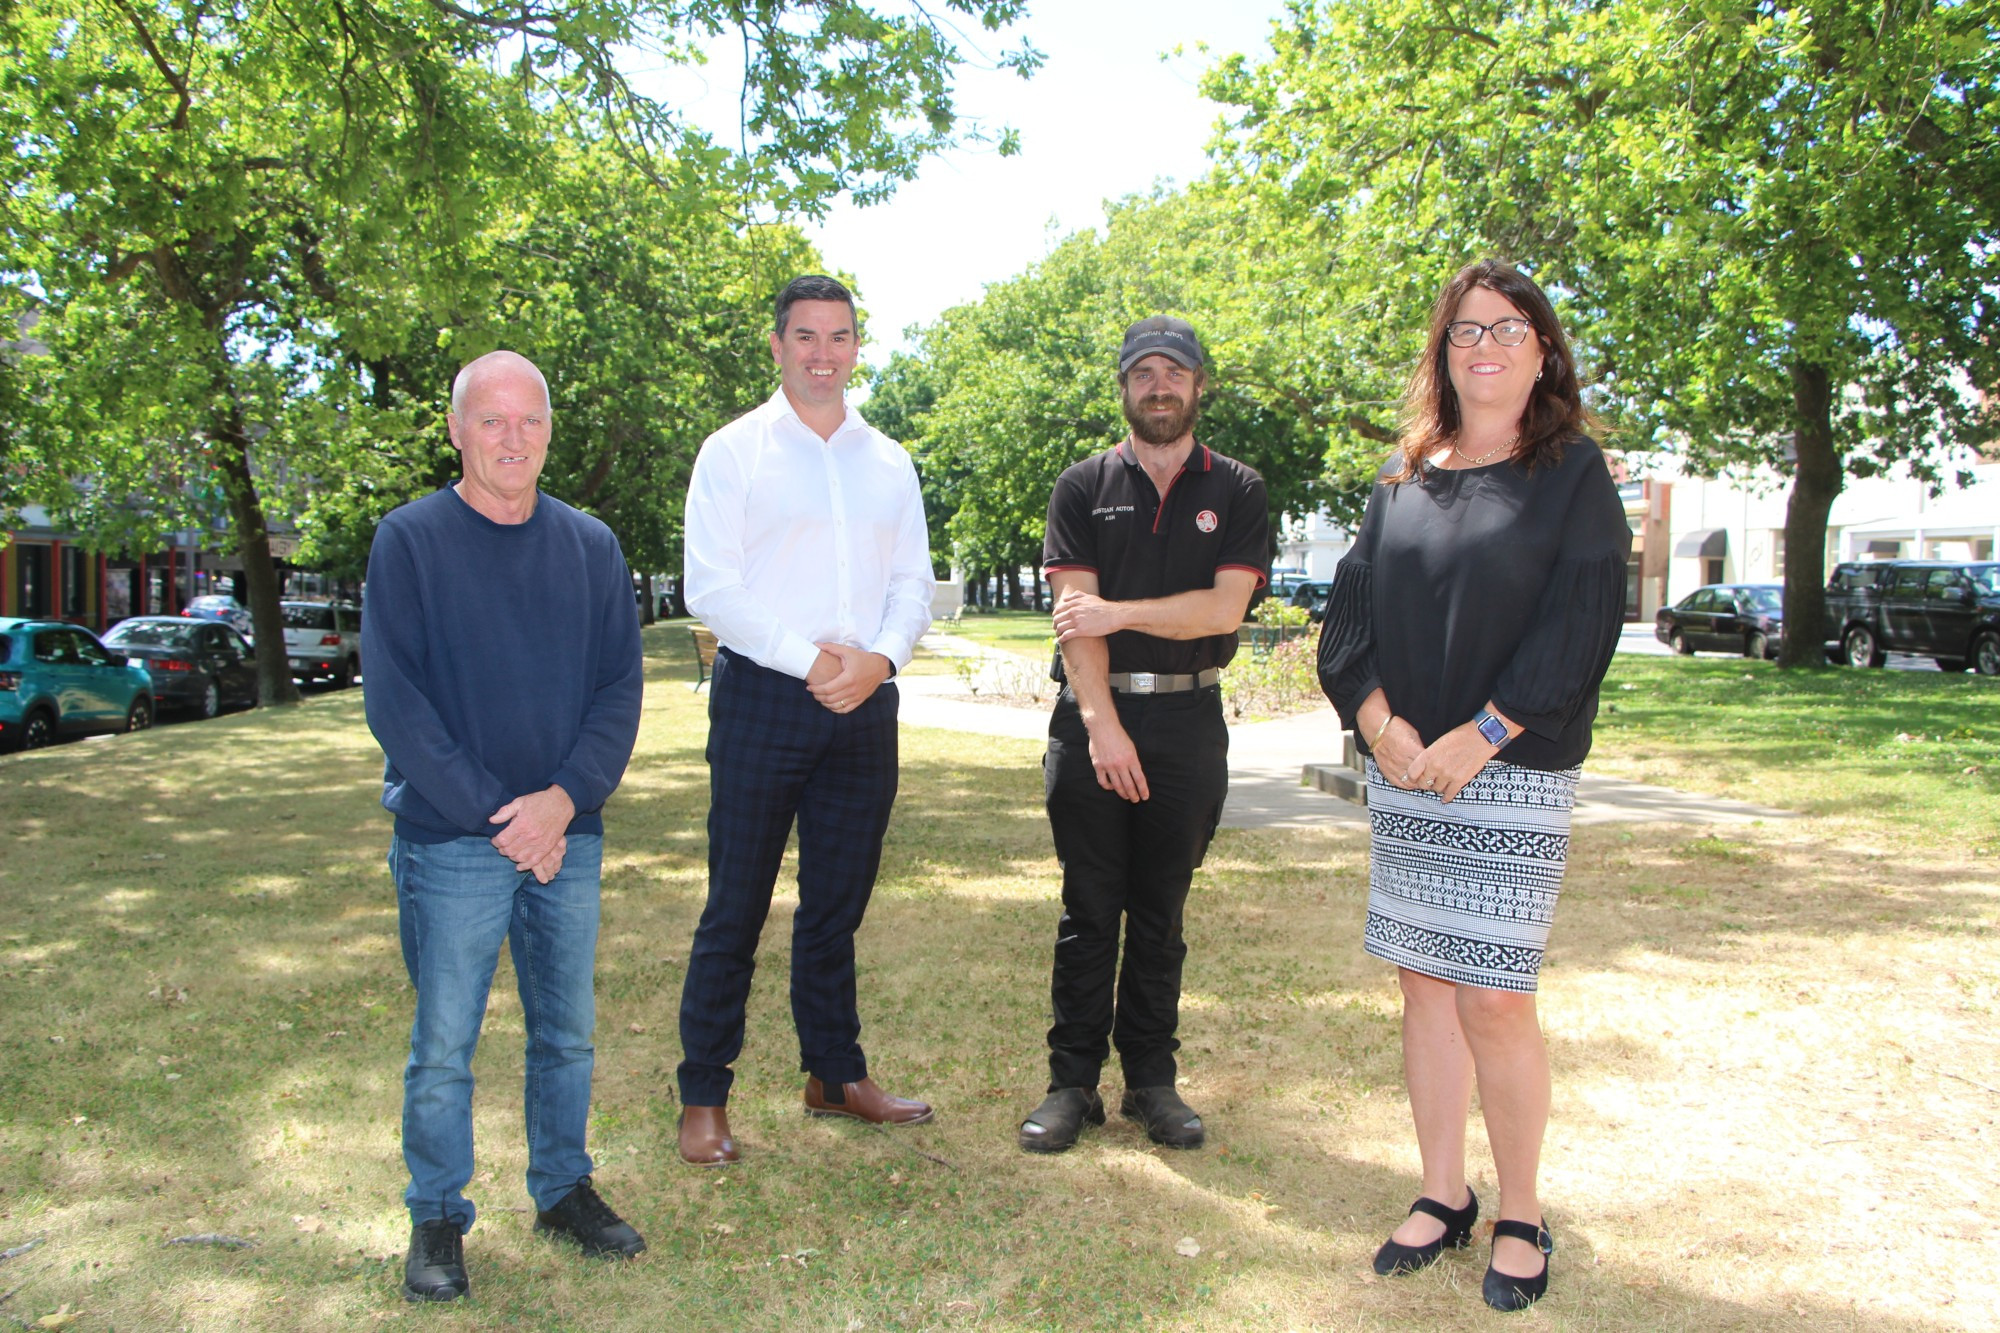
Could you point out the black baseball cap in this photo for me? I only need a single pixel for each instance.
(1162, 335)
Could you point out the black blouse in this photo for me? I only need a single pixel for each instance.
(1484, 583)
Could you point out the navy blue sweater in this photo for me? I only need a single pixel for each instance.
(500, 659)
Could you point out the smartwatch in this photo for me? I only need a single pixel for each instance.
(1493, 729)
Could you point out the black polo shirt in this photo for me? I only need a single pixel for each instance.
(1106, 516)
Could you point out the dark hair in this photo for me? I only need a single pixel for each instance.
(814, 287)
(1555, 412)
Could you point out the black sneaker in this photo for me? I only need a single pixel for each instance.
(435, 1268)
(585, 1218)
(1169, 1121)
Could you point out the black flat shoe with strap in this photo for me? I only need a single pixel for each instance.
(1504, 1291)
(1395, 1258)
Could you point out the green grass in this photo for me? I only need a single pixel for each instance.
(1906, 755)
(207, 1018)
(1027, 633)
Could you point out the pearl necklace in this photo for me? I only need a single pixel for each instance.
(1470, 461)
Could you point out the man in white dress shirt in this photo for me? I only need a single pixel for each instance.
(808, 557)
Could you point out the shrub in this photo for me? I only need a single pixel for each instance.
(1282, 681)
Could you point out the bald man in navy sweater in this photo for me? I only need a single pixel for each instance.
(501, 644)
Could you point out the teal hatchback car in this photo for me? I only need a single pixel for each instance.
(58, 680)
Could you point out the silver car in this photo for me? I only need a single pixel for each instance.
(323, 641)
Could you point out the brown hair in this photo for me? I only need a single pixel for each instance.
(1555, 410)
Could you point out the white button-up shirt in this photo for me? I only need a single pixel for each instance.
(792, 540)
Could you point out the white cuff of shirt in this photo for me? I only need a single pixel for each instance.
(896, 648)
(796, 656)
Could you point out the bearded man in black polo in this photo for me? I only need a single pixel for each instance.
(1154, 550)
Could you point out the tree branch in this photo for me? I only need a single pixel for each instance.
(1452, 29)
(176, 81)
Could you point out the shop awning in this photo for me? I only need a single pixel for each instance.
(1708, 542)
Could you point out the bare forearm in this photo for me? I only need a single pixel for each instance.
(1185, 615)
(1373, 715)
(1087, 666)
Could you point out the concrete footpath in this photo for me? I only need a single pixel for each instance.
(1269, 761)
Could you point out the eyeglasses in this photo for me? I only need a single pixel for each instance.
(1506, 332)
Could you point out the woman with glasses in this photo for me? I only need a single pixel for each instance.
(1464, 642)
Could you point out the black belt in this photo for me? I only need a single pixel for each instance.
(1148, 682)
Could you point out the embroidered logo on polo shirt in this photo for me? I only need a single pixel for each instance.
(1206, 520)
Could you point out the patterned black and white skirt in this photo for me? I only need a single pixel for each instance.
(1465, 892)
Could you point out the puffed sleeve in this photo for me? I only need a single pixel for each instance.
(1563, 657)
(1347, 671)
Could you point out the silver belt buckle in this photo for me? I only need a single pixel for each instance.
(1143, 682)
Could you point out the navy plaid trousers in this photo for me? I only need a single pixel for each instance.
(775, 754)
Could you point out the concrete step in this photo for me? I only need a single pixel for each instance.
(1337, 780)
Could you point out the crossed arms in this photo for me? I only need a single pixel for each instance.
(1084, 620)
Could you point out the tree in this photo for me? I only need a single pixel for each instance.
(1006, 392)
(225, 216)
(646, 310)
(1773, 228)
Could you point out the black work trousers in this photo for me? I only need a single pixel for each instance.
(1133, 861)
(776, 755)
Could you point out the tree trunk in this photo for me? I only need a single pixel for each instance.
(648, 605)
(1014, 589)
(253, 543)
(1816, 479)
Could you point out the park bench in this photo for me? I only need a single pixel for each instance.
(704, 653)
(1261, 639)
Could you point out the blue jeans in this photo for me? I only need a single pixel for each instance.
(456, 901)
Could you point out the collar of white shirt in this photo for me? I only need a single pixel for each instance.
(779, 406)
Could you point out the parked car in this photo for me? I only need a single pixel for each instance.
(323, 641)
(225, 609)
(1746, 618)
(1947, 611)
(58, 680)
(195, 664)
(1312, 595)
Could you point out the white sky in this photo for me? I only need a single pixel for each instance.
(1104, 117)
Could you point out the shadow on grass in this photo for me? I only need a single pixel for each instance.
(203, 918)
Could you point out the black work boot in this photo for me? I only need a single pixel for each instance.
(1054, 1125)
(1169, 1121)
(435, 1268)
(583, 1217)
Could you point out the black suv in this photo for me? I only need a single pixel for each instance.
(1747, 618)
(1947, 611)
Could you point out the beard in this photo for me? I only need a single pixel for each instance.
(1151, 427)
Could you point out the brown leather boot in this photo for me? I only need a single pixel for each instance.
(705, 1138)
(865, 1101)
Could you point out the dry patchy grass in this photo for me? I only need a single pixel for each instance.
(1775, 1061)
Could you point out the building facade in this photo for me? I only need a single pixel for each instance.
(1731, 529)
(1691, 531)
